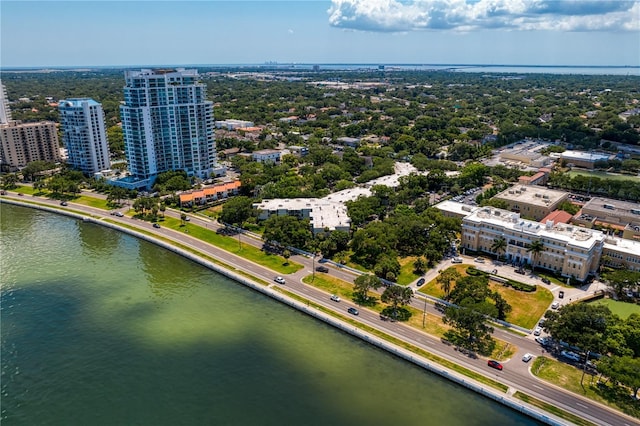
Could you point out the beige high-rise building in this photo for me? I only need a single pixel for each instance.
(22, 143)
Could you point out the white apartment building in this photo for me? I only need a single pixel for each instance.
(167, 124)
(5, 111)
(84, 135)
(569, 250)
(323, 214)
(267, 155)
(233, 124)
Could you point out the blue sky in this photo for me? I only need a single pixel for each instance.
(121, 33)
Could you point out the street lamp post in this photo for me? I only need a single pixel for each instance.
(424, 313)
(313, 267)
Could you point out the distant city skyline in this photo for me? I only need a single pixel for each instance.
(118, 33)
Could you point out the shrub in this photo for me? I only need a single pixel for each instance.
(522, 286)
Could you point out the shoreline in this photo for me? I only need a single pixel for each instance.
(505, 399)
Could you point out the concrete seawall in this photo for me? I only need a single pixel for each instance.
(458, 378)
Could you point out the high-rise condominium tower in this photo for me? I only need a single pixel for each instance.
(167, 123)
(5, 112)
(84, 134)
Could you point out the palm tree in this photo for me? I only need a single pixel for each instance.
(499, 246)
(445, 278)
(535, 249)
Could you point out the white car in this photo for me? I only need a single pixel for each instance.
(527, 357)
(555, 305)
(456, 260)
(537, 331)
(335, 298)
(279, 280)
(479, 260)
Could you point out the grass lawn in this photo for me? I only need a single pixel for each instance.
(622, 309)
(603, 175)
(527, 307)
(231, 244)
(406, 276)
(568, 377)
(550, 408)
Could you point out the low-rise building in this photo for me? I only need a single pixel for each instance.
(586, 160)
(267, 155)
(322, 214)
(569, 250)
(534, 202)
(210, 194)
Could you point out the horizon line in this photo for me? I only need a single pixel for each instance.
(277, 64)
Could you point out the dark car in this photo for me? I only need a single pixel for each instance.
(322, 269)
(560, 294)
(546, 280)
(63, 203)
(421, 281)
(353, 311)
(520, 271)
(155, 225)
(494, 364)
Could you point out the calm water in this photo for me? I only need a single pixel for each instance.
(99, 328)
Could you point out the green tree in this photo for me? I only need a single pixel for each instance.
(116, 194)
(469, 330)
(287, 231)
(237, 210)
(499, 246)
(361, 287)
(398, 297)
(624, 370)
(420, 265)
(621, 279)
(446, 278)
(535, 248)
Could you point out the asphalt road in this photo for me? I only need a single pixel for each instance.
(515, 374)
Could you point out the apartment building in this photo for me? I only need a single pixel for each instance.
(167, 124)
(323, 214)
(84, 135)
(5, 111)
(22, 143)
(568, 250)
(532, 202)
(210, 194)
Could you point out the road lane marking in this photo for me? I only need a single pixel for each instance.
(536, 386)
(582, 405)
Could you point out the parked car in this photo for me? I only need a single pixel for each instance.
(555, 305)
(279, 280)
(156, 225)
(570, 355)
(520, 271)
(479, 260)
(561, 294)
(537, 331)
(421, 281)
(544, 341)
(322, 268)
(353, 311)
(456, 260)
(494, 364)
(335, 298)
(546, 280)
(527, 357)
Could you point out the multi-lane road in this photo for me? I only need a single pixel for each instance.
(515, 374)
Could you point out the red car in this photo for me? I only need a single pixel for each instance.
(494, 364)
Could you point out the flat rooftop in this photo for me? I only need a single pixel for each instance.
(572, 235)
(533, 195)
(323, 213)
(584, 156)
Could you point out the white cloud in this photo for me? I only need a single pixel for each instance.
(466, 15)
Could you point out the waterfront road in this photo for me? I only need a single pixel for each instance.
(515, 374)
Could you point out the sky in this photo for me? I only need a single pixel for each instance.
(495, 32)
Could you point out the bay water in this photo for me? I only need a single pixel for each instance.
(99, 328)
